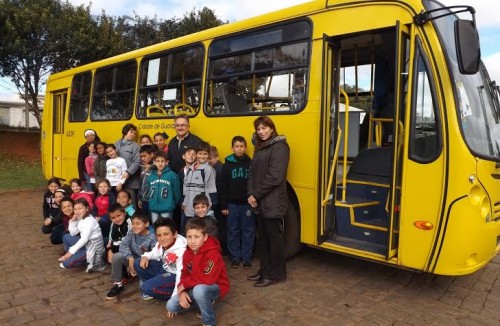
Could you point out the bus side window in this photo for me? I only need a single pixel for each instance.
(424, 136)
(80, 97)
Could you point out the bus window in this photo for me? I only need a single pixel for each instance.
(259, 72)
(114, 87)
(424, 140)
(170, 83)
(80, 97)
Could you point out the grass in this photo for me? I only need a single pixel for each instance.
(20, 173)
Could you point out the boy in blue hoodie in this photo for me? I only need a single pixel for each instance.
(162, 189)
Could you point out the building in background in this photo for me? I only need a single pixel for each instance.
(13, 113)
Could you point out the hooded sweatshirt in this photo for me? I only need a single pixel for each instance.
(170, 257)
(163, 190)
(233, 182)
(205, 267)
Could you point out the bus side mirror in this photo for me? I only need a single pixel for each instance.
(467, 45)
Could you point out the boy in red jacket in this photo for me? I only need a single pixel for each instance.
(203, 278)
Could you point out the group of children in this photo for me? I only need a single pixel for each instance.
(101, 226)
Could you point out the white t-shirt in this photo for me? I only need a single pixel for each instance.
(115, 167)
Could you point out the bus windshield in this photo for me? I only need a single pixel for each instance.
(477, 104)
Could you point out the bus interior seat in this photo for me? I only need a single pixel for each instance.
(372, 165)
(233, 102)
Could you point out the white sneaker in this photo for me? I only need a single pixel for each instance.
(62, 265)
(146, 297)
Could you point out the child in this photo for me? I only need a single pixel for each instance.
(88, 248)
(78, 192)
(213, 160)
(189, 157)
(105, 198)
(59, 230)
(160, 138)
(201, 209)
(203, 278)
(139, 239)
(199, 179)
(234, 205)
(160, 269)
(89, 167)
(115, 168)
(145, 140)
(120, 224)
(147, 154)
(123, 198)
(100, 162)
(162, 189)
(50, 208)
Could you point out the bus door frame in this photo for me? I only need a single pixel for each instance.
(401, 91)
(329, 110)
(59, 100)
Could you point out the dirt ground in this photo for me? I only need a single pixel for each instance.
(22, 144)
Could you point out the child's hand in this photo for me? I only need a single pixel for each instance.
(47, 221)
(65, 257)
(131, 269)
(170, 314)
(225, 212)
(144, 262)
(184, 300)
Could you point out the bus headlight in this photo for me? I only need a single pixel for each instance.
(475, 195)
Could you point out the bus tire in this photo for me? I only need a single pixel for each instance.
(291, 235)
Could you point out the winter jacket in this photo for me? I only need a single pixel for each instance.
(199, 179)
(170, 257)
(205, 267)
(267, 177)
(89, 197)
(102, 203)
(129, 151)
(163, 190)
(100, 167)
(91, 238)
(135, 245)
(118, 232)
(89, 166)
(83, 152)
(233, 181)
(177, 147)
(49, 207)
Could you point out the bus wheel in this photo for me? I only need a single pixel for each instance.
(291, 236)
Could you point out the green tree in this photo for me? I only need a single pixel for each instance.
(40, 37)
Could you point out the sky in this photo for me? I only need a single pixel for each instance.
(232, 10)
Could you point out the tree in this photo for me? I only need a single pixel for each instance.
(39, 37)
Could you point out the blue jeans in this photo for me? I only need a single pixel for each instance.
(157, 282)
(240, 231)
(79, 258)
(202, 296)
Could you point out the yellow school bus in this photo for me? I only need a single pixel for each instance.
(390, 114)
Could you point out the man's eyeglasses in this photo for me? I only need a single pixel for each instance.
(181, 125)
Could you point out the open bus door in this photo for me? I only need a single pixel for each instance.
(361, 176)
(58, 110)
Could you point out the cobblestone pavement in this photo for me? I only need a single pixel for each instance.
(322, 289)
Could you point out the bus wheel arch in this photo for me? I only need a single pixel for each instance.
(291, 236)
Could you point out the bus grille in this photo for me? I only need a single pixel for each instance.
(496, 211)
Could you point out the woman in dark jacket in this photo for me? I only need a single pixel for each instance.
(83, 152)
(267, 194)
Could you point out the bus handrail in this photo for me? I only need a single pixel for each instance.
(332, 172)
(346, 138)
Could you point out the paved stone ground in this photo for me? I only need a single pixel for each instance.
(322, 289)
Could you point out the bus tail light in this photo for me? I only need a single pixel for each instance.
(423, 225)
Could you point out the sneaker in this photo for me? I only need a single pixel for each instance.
(113, 293)
(235, 264)
(98, 268)
(198, 314)
(62, 266)
(146, 297)
(247, 264)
